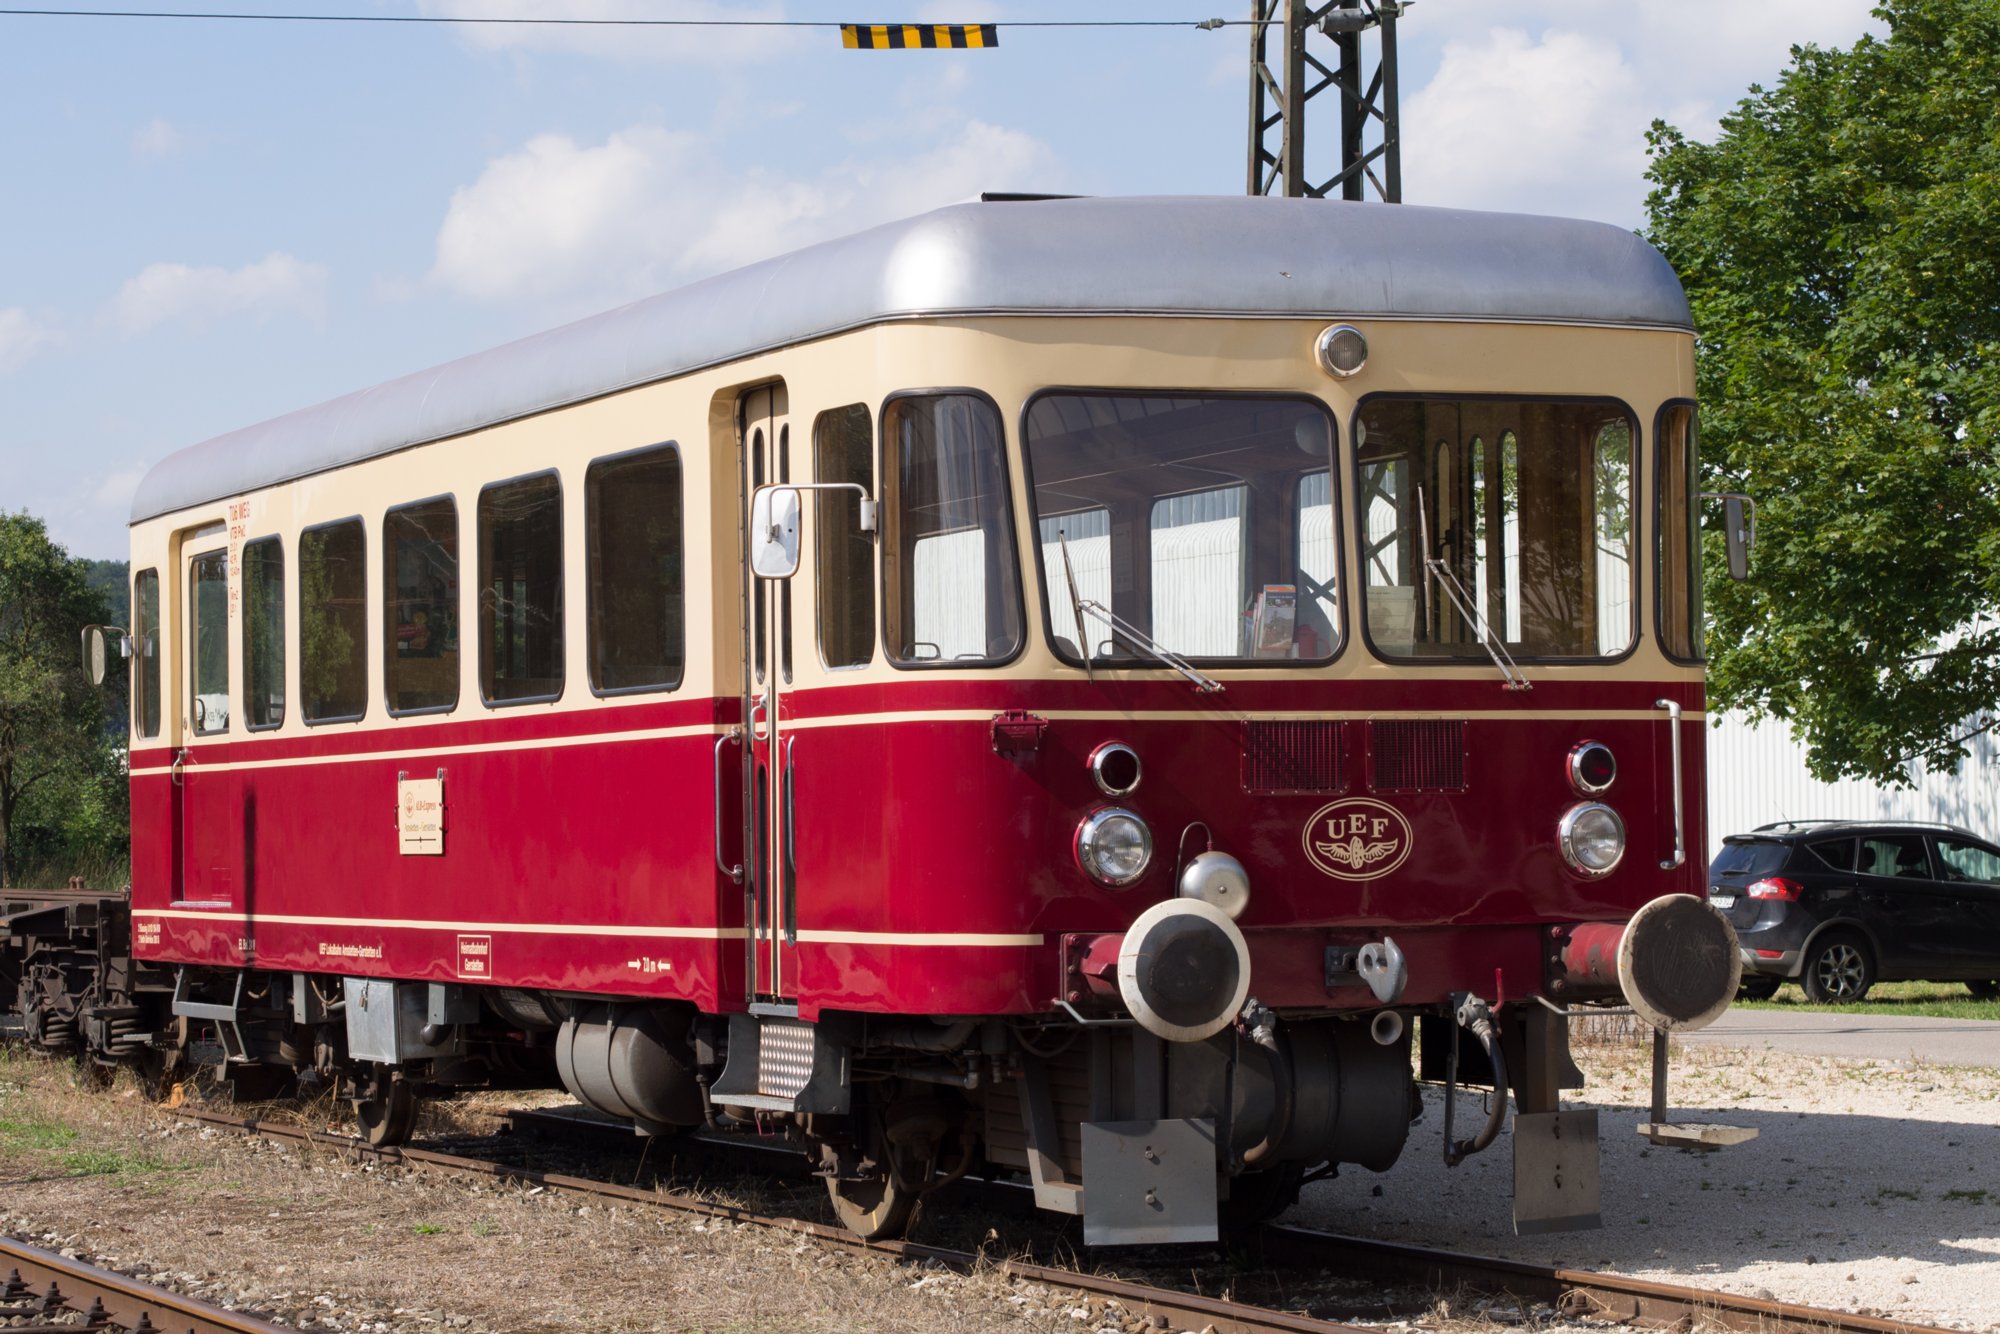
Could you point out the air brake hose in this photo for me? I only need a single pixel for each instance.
(1264, 1032)
(1474, 1014)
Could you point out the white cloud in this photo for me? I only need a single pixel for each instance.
(1513, 123)
(157, 138)
(649, 208)
(115, 491)
(631, 42)
(164, 293)
(21, 336)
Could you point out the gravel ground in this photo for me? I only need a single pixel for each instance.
(1868, 1189)
(1871, 1187)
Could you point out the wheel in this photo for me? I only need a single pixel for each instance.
(387, 1118)
(1838, 971)
(1984, 990)
(872, 1208)
(1756, 986)
(1255, 1197)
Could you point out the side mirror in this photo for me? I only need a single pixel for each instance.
(1739, 523)
(97, 650)
(774, 532)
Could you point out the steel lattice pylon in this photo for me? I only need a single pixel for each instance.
(1282, 88)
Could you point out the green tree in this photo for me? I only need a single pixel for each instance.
(1840, 245)
(59, 780)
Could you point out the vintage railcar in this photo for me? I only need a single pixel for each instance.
(1186, 640)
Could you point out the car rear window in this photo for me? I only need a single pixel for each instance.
(1837, 853)
(1748, 858)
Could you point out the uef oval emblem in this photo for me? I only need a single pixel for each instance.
(1357, 839)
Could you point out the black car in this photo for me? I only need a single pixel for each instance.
(1839, 905)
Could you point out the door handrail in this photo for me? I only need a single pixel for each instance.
(735, 873)
(1674, 725)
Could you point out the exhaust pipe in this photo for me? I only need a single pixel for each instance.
(1386, 1027)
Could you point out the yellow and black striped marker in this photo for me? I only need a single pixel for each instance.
(918, 36)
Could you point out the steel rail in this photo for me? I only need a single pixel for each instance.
(48, 1287)
(1575, 1293)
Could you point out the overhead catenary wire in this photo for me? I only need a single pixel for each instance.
(1206, 25)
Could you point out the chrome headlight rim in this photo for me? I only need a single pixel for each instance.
(1566, 839)
(1323, 350)
(1087, 859)
(1583, 785)
(1113, 754)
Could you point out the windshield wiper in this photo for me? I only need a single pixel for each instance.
(1207, 685)
(1439, 572)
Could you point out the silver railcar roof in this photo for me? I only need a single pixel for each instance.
(1169, 256)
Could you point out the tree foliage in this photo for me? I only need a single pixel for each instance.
(1840, 245)
(61, 790)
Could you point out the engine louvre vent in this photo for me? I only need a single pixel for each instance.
(1416, 755)
(1283, 757)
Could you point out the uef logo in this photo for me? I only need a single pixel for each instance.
(1357, 839)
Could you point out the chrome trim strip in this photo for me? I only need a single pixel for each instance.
(1674, 724)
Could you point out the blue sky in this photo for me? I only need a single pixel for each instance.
(206, 224)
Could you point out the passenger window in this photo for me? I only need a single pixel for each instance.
(521, 590)
(333, 622)
(634, 590)
(1837, 853)
(948, 560)
(843, 451)
(263, 634)
(1898, 855)
(1960, 860)
(1679, 529)
(208, 577)
(420, 607)
(146, 647)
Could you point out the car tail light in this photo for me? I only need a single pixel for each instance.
(1769, 954)
(1777, 887)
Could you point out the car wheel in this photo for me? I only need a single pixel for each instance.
(1984, 990)
(1838, 971)
(1758, 987)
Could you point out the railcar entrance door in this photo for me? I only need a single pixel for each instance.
(771, 879)
(202, 780)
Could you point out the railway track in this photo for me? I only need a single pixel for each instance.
(1574, 1293)
(50, 1294)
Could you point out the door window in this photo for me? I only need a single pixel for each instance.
(1961, 860)
(1898, 855)
(208, 580)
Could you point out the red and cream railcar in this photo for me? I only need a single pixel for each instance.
(1048, 685)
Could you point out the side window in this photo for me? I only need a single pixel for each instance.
(634, 590)
(333, 622)
(843, 451)
(1898, 855)
(208, 591)
(420, 607)
(263, 633)
(521, 590)
(1837, 853)
(953, 592)
(1679, 528)
(146, 646)
(1962, 860)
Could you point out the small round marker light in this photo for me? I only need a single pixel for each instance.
(1592, 767)
(1342, 350)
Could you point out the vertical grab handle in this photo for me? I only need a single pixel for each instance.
(791, 873)
(1674, 723)
(735, 873)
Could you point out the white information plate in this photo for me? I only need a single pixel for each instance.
(420, 816)
(1723, 900)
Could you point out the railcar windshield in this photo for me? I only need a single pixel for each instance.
(1205, 523)
(1515, 513)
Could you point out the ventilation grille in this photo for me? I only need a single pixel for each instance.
(1418, 755)
(1287, 757)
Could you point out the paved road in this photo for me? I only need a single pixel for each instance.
(1862, 1036)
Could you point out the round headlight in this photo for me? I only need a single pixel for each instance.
(1114, 847)
(1592, 838)
(1592, 767)
(1342, 350)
